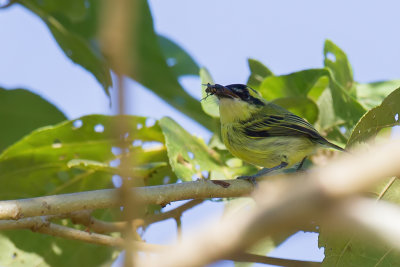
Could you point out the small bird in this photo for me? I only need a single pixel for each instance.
(263, 133)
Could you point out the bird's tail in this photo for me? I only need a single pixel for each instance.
(329, 144)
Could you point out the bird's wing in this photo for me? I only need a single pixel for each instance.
(286, 124)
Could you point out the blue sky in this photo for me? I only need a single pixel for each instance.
(285, 35)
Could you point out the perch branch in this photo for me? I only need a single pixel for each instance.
(107, 198)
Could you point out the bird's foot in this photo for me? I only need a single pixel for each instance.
(251, 179)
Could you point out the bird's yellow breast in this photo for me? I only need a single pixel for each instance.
(266, 152)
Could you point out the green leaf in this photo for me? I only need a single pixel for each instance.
(341, 84)
(189, 155)
(371, 94)
(347, 109)
(294, 84)
(327, 117)
(21, 248)
(384, 116)
(342, 250)
(78, 48)
(301, 106)
(79, 40)
(178, 59)
(209, 103)
(152, 71)
(37, 164)
(336, 60)
(21, 112)
(258, 72)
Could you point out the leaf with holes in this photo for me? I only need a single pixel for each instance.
(295, 84)
(21, 112)
(345, 104)
(209, 103)
(336, 60)
(258, 72)
(179, 61)
(37, 164)
(371, 94)
(188, 155)
(383, 116)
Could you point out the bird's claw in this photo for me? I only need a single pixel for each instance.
(250, 179)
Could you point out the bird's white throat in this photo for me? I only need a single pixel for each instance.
(232, 110)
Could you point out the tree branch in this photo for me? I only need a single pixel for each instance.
(85, 218)
(41, 224)
(174, 214)
(107, 198)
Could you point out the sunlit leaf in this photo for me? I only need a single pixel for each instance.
(37, 164)
(21, 112)
(20, 248)
(189, 156)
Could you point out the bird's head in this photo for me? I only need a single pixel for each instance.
(236, 101)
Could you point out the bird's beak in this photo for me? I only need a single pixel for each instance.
(220, 91)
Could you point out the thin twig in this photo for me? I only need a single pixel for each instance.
(42, 225)
(175, 213)
(74, 234)
(85, 218)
